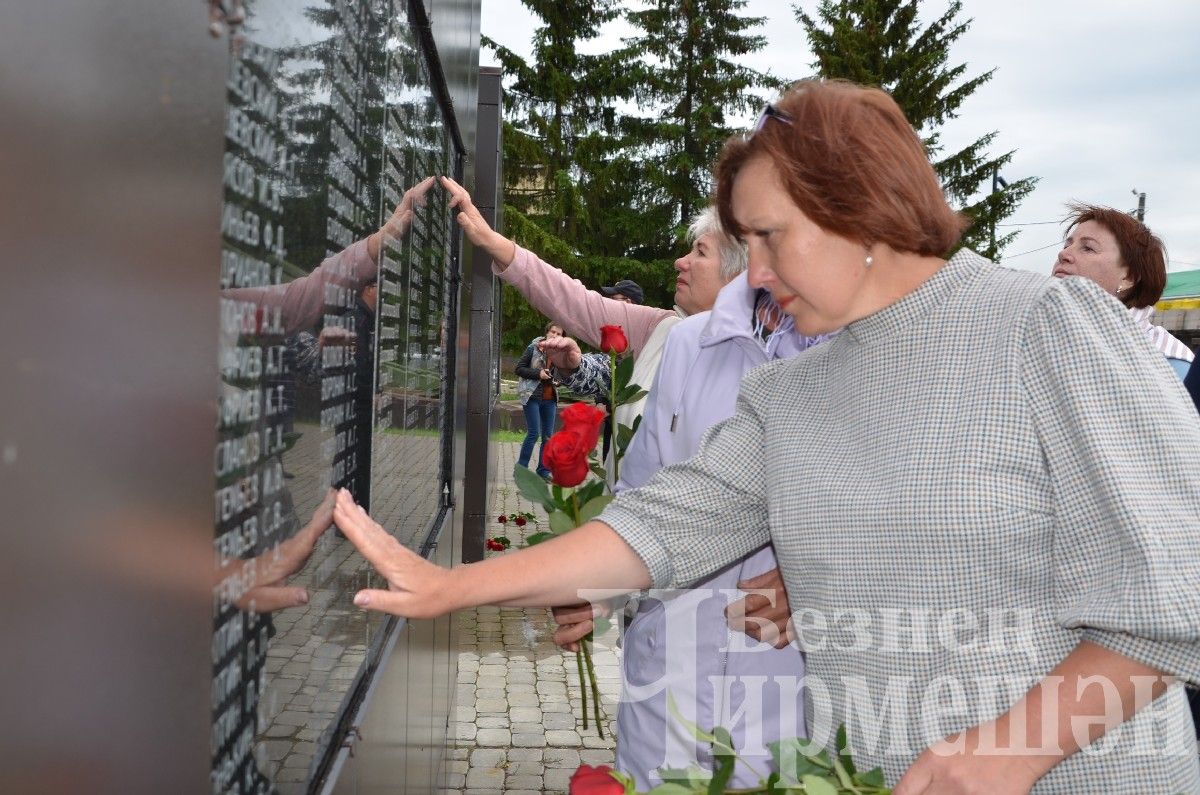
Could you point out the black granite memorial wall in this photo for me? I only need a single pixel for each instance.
(333, 362)
(198, 348)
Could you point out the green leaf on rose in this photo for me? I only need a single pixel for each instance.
(630, 394)
(538, 538)
(561, 522)
(726, 758)
(532, 487)
(590, 490)
(795, 757)
(843, 776)
(599, 471)
(690, 777)
(593, 507)
(722, 743)
(625, 434)
(814, 785)
(873, 778)
(627, 782)
(843, 754)
(799, 745)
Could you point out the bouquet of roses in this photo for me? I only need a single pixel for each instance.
(570, 455)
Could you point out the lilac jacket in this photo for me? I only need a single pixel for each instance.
(696, 387)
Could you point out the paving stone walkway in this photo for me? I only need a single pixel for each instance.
(517, 727)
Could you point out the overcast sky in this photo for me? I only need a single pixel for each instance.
(1097, 97)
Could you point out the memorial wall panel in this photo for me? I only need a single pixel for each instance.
(332, 362)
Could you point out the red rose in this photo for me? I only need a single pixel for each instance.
(502, 519)
(585, 420)
(566, 457)
(565, 454)
(590, 780)
(519, 521)
(612, 339)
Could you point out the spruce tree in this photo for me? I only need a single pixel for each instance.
(558, 111)
(574, 192)
(690, 78)
(881, 43)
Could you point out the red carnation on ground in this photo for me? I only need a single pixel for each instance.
(590, 780)
(613, 340)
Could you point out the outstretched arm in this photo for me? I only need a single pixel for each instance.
(551, 573)
(555, 294)
(501, 249)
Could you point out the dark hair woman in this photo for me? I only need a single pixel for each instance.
(1118, 252)
(538, 396)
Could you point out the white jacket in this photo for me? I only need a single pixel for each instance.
(696, 387)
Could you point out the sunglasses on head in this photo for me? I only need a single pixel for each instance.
(770, 112)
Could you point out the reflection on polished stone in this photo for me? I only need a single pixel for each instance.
(336, 299)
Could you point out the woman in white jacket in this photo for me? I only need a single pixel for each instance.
(716, 675)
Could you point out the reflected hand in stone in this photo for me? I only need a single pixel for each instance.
(416, 587)
(336, 335)
(276, 565)
(225, 13)
(561, 352)
(576, 621)
(765, 614)
(398, 223)
(477, 230)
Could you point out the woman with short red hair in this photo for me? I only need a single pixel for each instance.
(1119, 253)
(982, 493)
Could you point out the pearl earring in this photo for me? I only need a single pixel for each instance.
(869, 260)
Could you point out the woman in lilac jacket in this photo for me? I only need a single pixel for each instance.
(716, 676)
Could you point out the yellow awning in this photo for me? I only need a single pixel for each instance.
(1177, 303)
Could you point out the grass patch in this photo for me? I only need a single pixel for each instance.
(498, 435)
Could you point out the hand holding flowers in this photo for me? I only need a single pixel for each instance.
(569, 455)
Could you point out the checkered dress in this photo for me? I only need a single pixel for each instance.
(961, 488)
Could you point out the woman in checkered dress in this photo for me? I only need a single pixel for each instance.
(982, 492)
